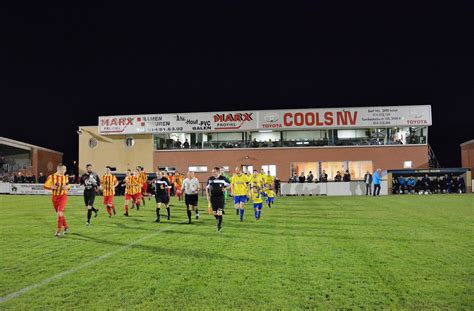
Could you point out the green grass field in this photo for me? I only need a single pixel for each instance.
(410, 252)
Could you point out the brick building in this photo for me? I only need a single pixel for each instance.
(284, 142)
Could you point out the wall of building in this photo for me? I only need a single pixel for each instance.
(45, 161)
(467, 155)
(384, 157)
(111, 150)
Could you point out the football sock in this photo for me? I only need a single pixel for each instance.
(63, 220)
(157, 213)
(113, 208)
(236, 211)
(189, 214)
(219, 220)
(256, 212)
(169, 212)
(60, 223)
(197, 212)
(109, 210)
(241, 213)
(93, 209)
(89, 214)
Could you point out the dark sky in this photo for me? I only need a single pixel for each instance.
(61, 67)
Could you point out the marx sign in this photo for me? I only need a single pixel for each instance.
(292, 119)
(231, 121)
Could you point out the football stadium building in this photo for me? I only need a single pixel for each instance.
(285, 142)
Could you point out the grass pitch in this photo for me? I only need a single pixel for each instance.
(411, 252)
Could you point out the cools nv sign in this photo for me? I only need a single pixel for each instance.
(361, 117)
(366, 117)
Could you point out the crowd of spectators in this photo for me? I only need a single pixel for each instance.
(302, 178)
(394, 139)
(427, 185)
(20, 178)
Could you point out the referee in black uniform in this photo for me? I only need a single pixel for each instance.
(216, 185)
(91, 182)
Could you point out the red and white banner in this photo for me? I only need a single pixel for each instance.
(236, 121)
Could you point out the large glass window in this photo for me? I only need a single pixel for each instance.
(305, 168)
(357, 169)
(271, 168)
(274, 139)
(332, 168)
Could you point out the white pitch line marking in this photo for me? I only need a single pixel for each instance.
(84, 265)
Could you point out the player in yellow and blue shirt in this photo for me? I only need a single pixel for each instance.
(256, 195)
(239, 189)
(255, 178)
(270, 196)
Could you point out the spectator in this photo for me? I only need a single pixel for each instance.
(277, 186)
(410, 184)
(178, 144)
(33, 179)
(394, 185)
(436, 185)
(302, 178)
(376, 180)
(323, 177)
(402, 185)
(41, 178)
(72, 179)
(347, 176)
(461, 185)
(368, 183)
(310, 177)
(19, 178)
(338, 176)
(425, 184)
(254, 143)
(186, 144)
(455, 184)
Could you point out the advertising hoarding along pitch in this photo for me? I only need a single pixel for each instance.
(290, 119)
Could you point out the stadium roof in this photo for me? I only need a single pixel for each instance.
(468, 142)
(22, 145)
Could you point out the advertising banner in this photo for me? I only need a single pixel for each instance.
(291, 119)
(10, 188)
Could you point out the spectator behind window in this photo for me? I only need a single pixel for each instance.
(302, 178)
(338, 176)
(323, 177)
(347, 176)
(310, 177)
(186, 144)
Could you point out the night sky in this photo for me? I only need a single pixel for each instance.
(62, 67)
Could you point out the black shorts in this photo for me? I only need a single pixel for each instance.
(89, 197)
(162, 198)
(217, 203)
(191, 199)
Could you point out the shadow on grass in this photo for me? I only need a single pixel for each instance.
(161, 250)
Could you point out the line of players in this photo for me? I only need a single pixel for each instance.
(257, 187)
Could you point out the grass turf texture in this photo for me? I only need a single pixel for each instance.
(309, 252)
